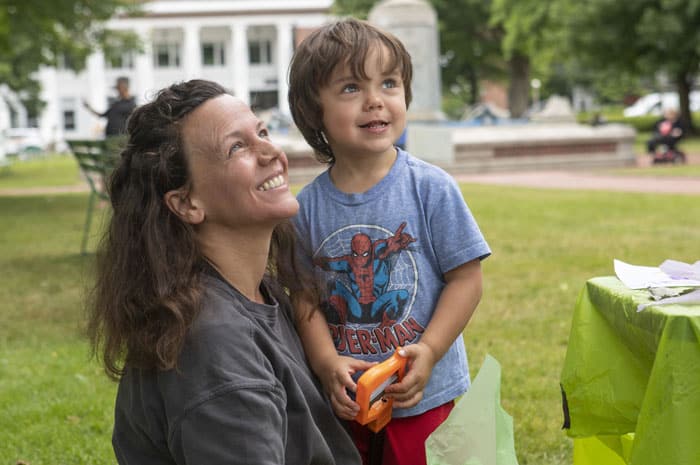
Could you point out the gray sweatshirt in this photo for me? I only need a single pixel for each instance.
(242, 394)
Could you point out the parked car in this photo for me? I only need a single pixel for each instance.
(654, 104)
(23, 142)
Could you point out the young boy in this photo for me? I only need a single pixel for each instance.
(389, 235)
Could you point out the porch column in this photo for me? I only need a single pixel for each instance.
(143, 86)
(241, 85)
(192, 52)
(284, 55)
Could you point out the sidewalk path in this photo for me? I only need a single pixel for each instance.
(15, 192)
(537, 179)
(593, 180)
(576, 180)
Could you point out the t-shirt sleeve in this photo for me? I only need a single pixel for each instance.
(455, 234)
(242, 425)
(303, 233)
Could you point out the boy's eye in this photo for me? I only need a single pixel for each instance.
(264, 133)
(390, 83)
(349, 88)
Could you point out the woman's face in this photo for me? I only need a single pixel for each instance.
(239, 178)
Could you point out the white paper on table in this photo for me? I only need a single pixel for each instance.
(676, 269)
(643, 277)
(689, 298)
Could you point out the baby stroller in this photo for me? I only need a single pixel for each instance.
(666, 153)
(667, 132)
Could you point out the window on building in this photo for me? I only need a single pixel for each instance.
(68, 112)
(264, 100)
(14, 117)
(68, 120)
(213, 54)
(260, 52)
(120, 61)
(166, 55)
(65, 62)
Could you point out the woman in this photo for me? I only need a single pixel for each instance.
(189, 310)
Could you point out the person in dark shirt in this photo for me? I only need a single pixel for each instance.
(190, 310)
(667, 131)
(119, 111)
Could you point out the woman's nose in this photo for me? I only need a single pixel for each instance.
(267, 151)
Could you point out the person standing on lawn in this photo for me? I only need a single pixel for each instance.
(396, 248)
(190, 311)
(118, 112)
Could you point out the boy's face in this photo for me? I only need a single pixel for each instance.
(364, 117)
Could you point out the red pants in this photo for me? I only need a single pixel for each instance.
(404, 440)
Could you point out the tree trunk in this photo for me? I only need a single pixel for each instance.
(683, 86)
(474, 87)
(519, 88)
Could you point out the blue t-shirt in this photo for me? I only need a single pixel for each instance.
(381, 256)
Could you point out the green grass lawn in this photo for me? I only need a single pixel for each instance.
(50, 171)
(660, 171)
(56, 405)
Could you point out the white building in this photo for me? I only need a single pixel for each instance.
(245, 45)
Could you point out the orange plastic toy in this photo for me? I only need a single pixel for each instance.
(375, 409)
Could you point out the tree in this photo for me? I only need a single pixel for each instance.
(37, 32)
(525, 25)
(470, 48)
(355, 8)
(643, 37)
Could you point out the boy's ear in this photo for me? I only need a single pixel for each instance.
(183, 206)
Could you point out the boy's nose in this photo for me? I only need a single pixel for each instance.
(374, 101)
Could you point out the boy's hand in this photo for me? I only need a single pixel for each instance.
(336, 378)
(409, 391)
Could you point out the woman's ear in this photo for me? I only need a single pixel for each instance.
(181, 204)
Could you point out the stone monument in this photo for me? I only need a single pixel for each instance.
(557, 109)
(414, 22)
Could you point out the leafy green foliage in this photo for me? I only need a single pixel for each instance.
(470, 48)
(636, 38)
(356, 8)
(36, 32)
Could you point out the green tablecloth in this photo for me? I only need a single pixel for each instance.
(628, 372)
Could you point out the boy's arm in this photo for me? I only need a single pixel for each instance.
(334, 371)
(454, 309)
(313, 332)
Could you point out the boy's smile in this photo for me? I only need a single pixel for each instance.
(364, 117)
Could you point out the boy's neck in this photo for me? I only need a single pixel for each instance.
(355, 175)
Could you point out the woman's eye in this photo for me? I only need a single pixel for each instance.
(349, 88)
(235, 148)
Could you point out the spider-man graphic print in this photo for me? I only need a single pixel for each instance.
(371, 275)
